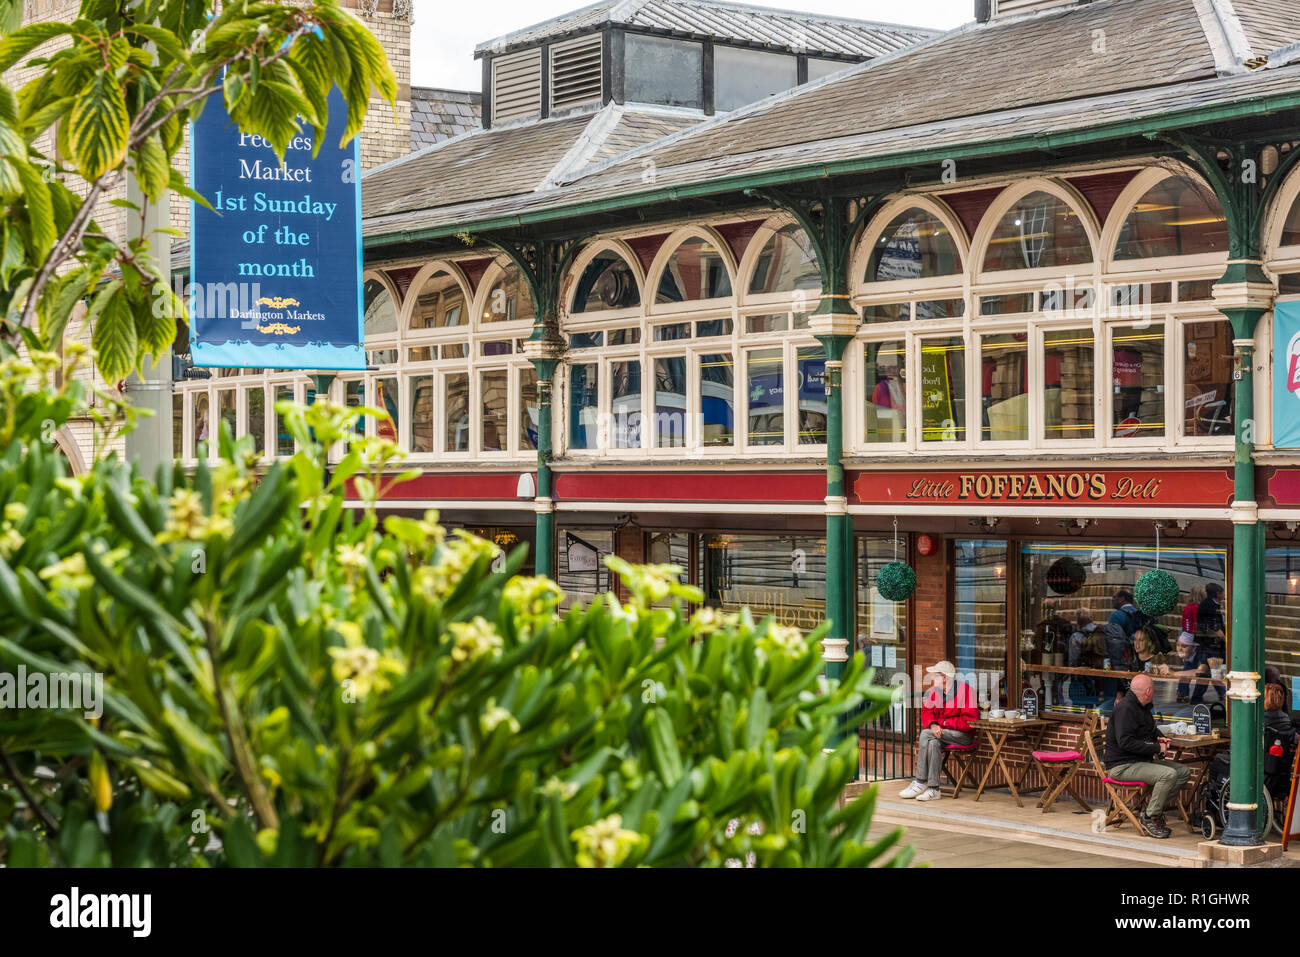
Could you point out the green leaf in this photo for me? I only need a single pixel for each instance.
(61, 297)
(40, 208)
(152, 169)
(21, 42)
(168, 46)
(117, 346)
(98, 127)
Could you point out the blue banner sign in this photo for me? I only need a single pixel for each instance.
(275, 265)
(1286, 375)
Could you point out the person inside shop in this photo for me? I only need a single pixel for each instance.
(946, 713)
(1132, 745)
(1211, 628)
(1125, 615)
(1192, 663)
(1277, 719)
(1194, 598)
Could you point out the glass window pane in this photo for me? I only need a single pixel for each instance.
(455, 390)
(422, 354)
(1281, 610)
(882, 622)
(354, 397)
(941, 309)
(202, 431)
(624, 337)
(440, 303)
(1139, 381)
(1006, 305)
(765, 386)
(670, 402)
(1207, 379)
(606, 283)
(421, 387)
(915, 245)
(1291, 229)
(818, 68)
(1067, 384)
(529, 410)
(494, 398)
(980, 617)
(717, 399)
(625, 393)
(672, 331)
(741, 76)
(580, 562)
(812, 395)
(583, 410)
(455, 350)
(695, 271)
(380, 313)
(788, 263)
(1076, 610)
(386, 399)
(1004, 387)
(178, 425)
(659, 70)
(381, 357)
(777, 322)
(943, 389)
(226, 410)
(887, 312)
(885, 376)
(713, 327)
(1289, 285)
(782, 576)
(586, 340)
(510, 299)
(1178, 217)
(257, 418)
(283, 440)
(1039, 231)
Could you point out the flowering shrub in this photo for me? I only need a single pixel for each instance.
(291, 681)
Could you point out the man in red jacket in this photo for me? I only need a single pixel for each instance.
(946, 713)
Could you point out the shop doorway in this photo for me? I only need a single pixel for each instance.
(979, 617)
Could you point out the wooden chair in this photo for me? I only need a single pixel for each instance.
(1126, 799)
(1059, 768)
(959, 764)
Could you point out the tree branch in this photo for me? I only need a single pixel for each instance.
(37, 808)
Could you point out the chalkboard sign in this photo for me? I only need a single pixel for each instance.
(1201, 717)
(1029, 703)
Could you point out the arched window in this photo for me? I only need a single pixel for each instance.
(510, 299)
(1176, 217)
(697, 270)
(1040, 231)
(915, 245)
(439, 303)
(607, 282)
(1291, 228)
(787, 263)
(379, 309)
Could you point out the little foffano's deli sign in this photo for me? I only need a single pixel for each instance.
(275, 265)
(1155, 487)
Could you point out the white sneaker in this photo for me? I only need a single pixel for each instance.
(912, 790)
(930, 794)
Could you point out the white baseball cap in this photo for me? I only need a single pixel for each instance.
(942, 668)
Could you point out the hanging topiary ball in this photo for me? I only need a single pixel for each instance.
(896, 581)
(1156, 593)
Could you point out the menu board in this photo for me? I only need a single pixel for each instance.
(1201, 718)
(1029, 703)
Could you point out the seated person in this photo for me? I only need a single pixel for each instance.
(946, 713)
(1277, 720)
(1192, 663)
(1132, 742)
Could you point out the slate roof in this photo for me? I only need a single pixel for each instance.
(731, 22)
(1009, 84)
(513, 159)
(438, 115)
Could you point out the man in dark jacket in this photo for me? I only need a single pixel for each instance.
(1132, 741)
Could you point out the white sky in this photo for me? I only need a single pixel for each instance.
(445, 32)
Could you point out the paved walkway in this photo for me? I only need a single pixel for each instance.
(940, 848)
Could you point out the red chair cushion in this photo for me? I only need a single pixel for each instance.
(1126, 784)
(960, 747)
(1057, 756)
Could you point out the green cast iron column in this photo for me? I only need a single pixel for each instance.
(544, 558)
(839, 556)
(1244, 295)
